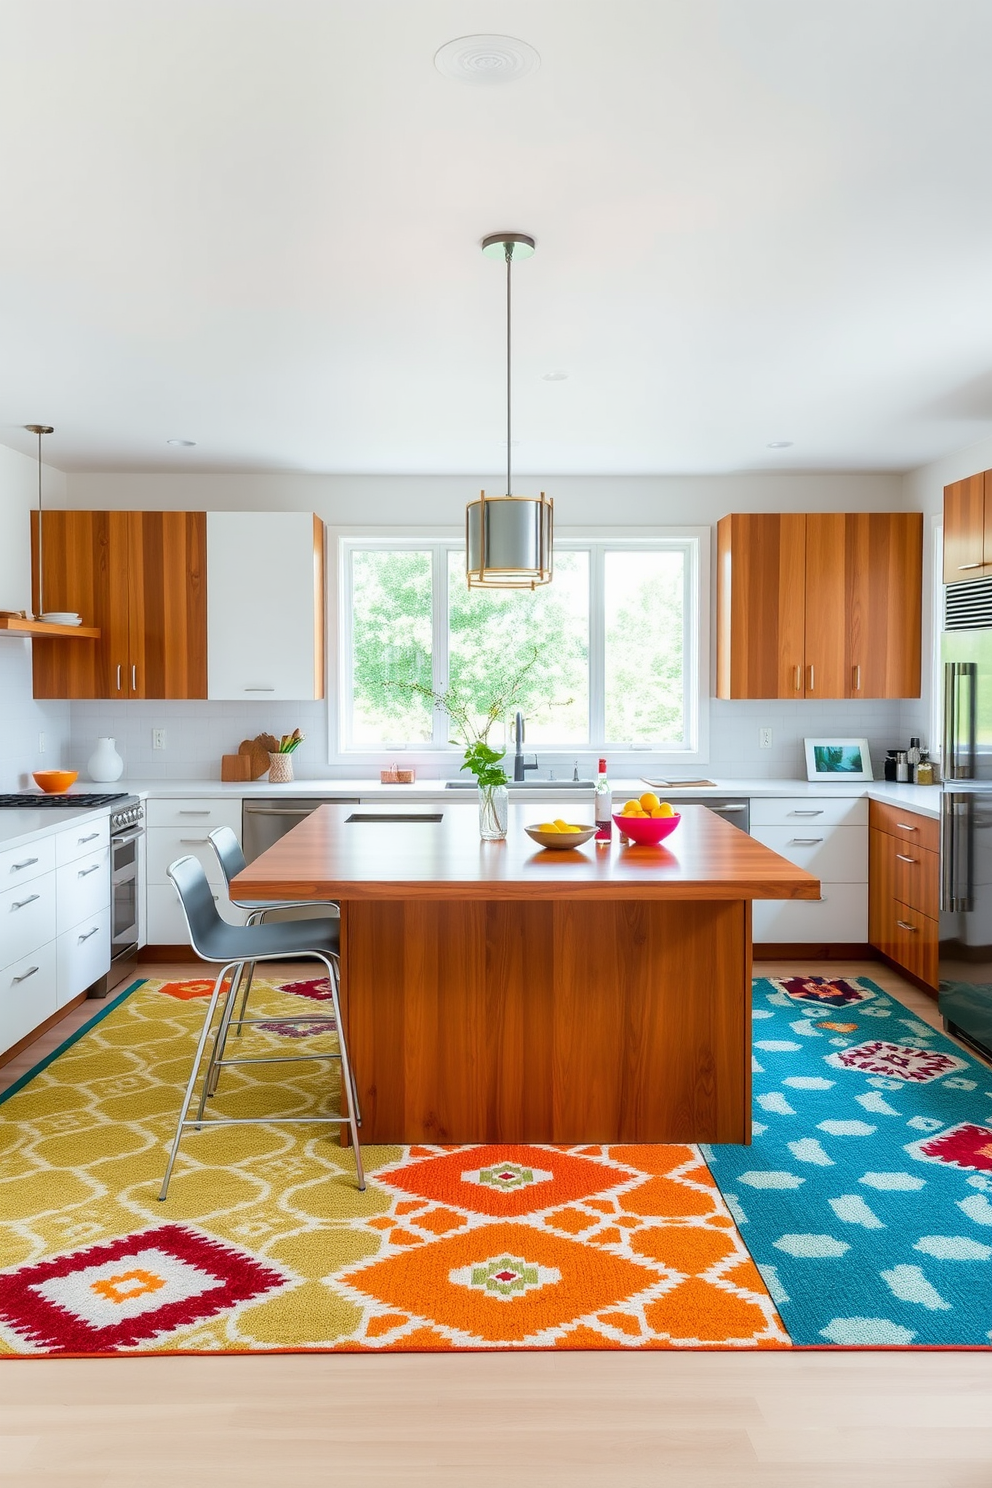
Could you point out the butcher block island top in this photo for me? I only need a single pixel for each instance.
(419, 852)
(497, 992)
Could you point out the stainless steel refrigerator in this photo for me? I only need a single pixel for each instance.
(965, 996)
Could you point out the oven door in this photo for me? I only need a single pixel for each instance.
(124, 894)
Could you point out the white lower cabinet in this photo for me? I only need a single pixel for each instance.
(27, 994)
(27, 918)
(176, 829)
(82, 956)
(829, 838)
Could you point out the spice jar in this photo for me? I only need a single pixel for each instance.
(924, 770)
(902, 764)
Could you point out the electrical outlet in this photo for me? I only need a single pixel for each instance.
(42, 743)
(764, 738)
(158, 738)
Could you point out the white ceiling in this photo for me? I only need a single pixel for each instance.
(254, 224)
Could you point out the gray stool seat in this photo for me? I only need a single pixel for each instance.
(236, 949)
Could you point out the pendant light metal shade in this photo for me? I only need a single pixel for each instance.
(508, 539)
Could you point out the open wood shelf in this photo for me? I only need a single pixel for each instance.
(40, 628)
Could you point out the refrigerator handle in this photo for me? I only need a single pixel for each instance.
(957, 888)
(958, 752)
(949, 762)
(947, 843)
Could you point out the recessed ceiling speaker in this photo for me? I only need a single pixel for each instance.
(486, 60)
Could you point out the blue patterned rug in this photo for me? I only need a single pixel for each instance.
(866, 1195)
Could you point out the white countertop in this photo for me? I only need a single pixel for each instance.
(23, 825)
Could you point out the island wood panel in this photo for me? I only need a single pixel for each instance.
(167, 595)
(967, 529)
(761, 569)
(548, 1021)
(85, 568)
(328, 857)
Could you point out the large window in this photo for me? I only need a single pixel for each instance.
(613, 645)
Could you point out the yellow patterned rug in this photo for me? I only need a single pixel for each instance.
(265, 1244)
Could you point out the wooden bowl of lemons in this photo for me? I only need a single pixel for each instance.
(560, 835)
(647, 821)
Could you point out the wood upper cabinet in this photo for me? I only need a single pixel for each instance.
(820, 606)
(968, 528)
(141, 577)
(761, 596)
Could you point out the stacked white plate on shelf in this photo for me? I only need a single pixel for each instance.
(61, 617)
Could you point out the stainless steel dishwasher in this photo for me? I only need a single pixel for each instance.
(734, 809)
(264, 820)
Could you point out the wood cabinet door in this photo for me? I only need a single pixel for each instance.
(881, 890)
(883, 604)
(85, 569)
(827, 674)
(167, 604)
(761, 586)
(967, 550)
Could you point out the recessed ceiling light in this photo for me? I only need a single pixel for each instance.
(486, 60)
(554, 376)
(185, 443)
(780, 444)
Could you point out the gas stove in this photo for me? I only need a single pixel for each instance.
(33, 799)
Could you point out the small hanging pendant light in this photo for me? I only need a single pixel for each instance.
(40, 430)
(508, 539)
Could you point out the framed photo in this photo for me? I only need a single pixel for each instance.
(838, 759)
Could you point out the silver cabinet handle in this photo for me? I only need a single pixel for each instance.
(134, 677)
(92, 836)
(16, 867)
(903, 858)
(805, 841)
(818, 812)
(799, 679)
(259, 689)
(82, 873)
(904, 925)
(118, 676)
(21, 903)
(204, 811)
(186, 841)
(857, 679)
(812, 687)
(81, 938)
(25, 974)
(905, 827)
(963, 566)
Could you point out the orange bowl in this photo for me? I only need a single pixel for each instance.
(647, 831)
(54, 782)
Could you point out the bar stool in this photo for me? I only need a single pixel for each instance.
(232, 860)
(232, 948)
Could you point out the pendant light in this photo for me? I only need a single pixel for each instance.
(508, 538)
(40, 430)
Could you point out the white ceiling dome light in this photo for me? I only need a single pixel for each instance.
(485, 61)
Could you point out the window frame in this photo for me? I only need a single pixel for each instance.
(438, 756)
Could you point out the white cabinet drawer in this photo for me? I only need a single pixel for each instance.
(800, 811)
(27, 994)
(82, 954)
(199, 816)
(164, 845)
(84, 837)
(19, 864)
(166, 923)
(82, 888)
(27, 918)
(833, 854)
(841, 915)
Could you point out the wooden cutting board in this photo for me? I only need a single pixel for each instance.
(257, 750)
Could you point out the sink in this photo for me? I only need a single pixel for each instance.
(528, 785)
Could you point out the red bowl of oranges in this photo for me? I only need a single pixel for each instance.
(647, 821)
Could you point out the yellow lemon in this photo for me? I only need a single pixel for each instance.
(548, 827)
(665, 809)
(657, 812)
(561, 825)
(570, 828)
(649, 801)
(629, 807)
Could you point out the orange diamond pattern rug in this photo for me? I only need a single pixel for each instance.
(264, 1243)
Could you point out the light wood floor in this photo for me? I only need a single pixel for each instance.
(591, 1420)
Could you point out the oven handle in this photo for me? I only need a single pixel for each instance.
(128, 836)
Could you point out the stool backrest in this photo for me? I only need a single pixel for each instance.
(229, 855)
(197, 901)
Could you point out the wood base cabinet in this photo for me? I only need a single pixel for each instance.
(824, 605)
(904, 889)
(141, 577)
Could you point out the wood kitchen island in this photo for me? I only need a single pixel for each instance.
(495, 992)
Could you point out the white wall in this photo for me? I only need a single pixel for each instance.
(198, 733)
(22, 720)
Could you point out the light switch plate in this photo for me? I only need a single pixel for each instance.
(764, 738)
(158, 738)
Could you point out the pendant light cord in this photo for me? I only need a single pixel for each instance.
(508, 247)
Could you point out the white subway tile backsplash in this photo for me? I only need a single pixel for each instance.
(22, 720)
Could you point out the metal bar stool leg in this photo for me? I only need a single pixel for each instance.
(347, 1080)
(197, 1059)
(212, 1075)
